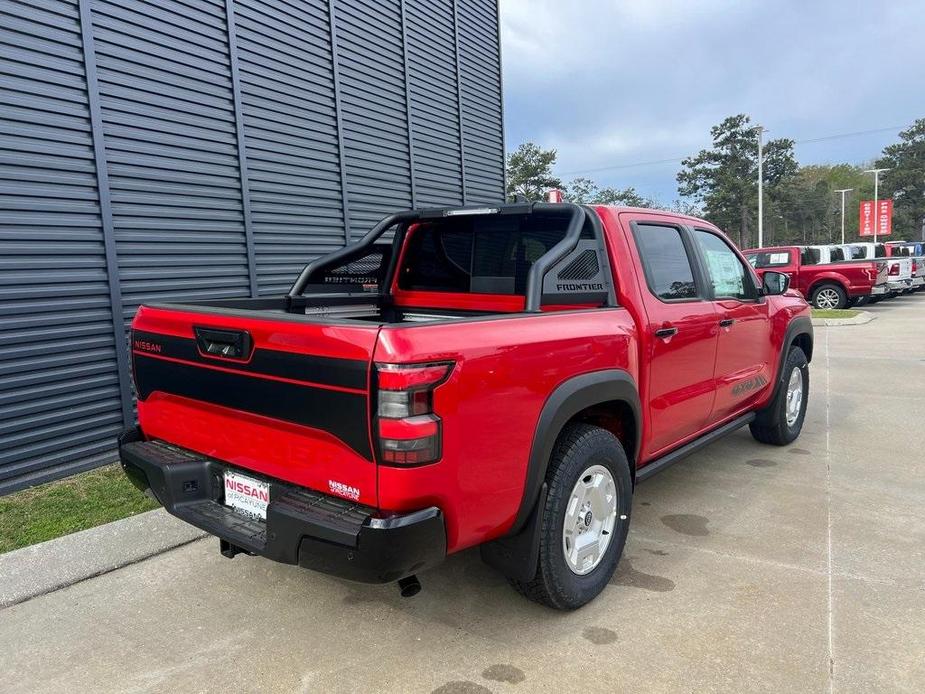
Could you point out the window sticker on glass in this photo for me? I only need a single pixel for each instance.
(725, 272)
(778, 259)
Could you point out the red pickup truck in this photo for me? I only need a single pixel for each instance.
(825, 282)
(499, 376)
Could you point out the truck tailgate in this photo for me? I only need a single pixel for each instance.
(274, 394)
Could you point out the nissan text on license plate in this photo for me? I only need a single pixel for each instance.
(246, 494)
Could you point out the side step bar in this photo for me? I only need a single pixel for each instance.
(669, 459)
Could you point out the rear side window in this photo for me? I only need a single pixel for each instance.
(665, 262)
(880, 251)
(810, 256)
(479, 255)
(836, 254)
(727, 274)
(766, 259)
(857, 253)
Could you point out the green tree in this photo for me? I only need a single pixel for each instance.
(625, 196)
(685, 207)
(806, 209)
(584, 191)
(905, 180)
(529, 171)
(723, 179)
(581, 190)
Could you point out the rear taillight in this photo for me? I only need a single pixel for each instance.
(409, 431)
(894, 269)
(915, 267)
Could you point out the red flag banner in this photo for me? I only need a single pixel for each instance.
(884, 217)
(866, 218)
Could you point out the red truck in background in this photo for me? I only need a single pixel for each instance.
(498, 376)
(826, 285)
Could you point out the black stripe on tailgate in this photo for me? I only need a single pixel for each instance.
(328, 371)
(338, 412)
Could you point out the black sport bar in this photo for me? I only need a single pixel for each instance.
(537, 272)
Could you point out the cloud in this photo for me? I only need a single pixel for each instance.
(636, 81)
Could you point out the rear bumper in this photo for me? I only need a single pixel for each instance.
(899, 285)
(316, 531)
(918, 281)
(879, 290)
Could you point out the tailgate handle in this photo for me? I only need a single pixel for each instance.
(223, 344)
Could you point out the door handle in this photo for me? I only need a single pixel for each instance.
(666, 332)
(726, 322)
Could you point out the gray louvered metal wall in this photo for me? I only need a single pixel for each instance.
(157, 150)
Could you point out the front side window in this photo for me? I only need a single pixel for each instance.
(727, 274)
(880, 251)
(665, 262)
(766, 259)
(836, 254)
(858, 253)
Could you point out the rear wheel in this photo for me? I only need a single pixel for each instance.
(585, 519)
(780, 422)
(829, 296)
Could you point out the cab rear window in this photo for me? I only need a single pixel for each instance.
(479, 255)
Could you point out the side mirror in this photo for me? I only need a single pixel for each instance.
(774, 283)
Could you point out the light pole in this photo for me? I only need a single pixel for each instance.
(843, 191)
(760, 130)
(876, 173)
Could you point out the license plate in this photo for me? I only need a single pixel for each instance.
(246, 495)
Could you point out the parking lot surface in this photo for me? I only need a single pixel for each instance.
(748, 568)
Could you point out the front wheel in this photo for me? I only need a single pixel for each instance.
(829, 296)
(780, 422)
(585, 519)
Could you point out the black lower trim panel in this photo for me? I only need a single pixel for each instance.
(659, 464)
(304, 527)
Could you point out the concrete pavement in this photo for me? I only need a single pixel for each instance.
(748, 568)
(38, 569)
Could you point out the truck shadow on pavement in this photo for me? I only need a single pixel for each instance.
(677, 510)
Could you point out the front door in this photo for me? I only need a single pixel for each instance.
(744, 371)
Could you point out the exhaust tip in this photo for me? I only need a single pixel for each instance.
(409, 587)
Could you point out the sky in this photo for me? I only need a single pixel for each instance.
(612, 84)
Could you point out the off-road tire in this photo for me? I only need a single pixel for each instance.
(578, 448)
(770, 426)
(827, 289)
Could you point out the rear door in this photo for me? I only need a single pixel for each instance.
(743, 352)
(681, 330)
(271, 393)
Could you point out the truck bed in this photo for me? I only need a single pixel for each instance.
(326, 308)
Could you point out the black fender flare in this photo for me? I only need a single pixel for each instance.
(801, 325)
(568, 399)
(517, 553)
